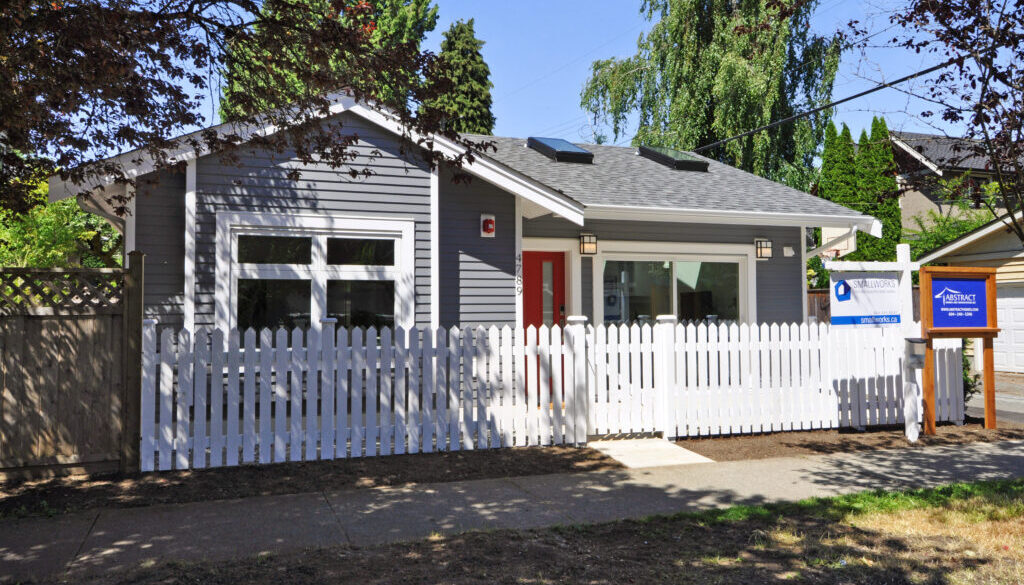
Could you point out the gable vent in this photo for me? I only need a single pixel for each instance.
(560, 150)
(674, 159)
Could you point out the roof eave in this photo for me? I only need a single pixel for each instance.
(864, 223)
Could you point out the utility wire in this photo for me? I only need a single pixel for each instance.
(828, 105)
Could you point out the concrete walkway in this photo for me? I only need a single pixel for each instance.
(103, 540)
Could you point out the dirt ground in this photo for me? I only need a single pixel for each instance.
(55, 496)
(970, 541)
(843, 441)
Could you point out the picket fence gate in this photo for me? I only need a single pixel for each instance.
(229, 398)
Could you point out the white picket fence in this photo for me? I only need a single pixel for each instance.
(224, 399)
(740, 379)
(221, 400)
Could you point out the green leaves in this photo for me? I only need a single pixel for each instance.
(713, 69)
(466, 101)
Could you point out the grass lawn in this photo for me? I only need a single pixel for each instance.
(965, 533)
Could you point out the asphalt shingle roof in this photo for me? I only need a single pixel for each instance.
(619, 176)
(943, 151)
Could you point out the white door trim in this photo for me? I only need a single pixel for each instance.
(573, 269)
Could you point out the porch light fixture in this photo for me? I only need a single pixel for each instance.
(763, 247)
(588, 243)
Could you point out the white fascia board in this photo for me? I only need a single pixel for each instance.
(864, 223)
(138, 162)
(967, 240)
(917, 155)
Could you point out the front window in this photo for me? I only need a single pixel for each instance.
(355, 270)
(693, 290)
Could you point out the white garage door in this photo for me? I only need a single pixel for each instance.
(1009, 346)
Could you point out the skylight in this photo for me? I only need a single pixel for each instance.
(674, 159)
(560, 150)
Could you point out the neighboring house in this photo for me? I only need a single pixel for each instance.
(611, 234)
(995, 245)
(922, 160)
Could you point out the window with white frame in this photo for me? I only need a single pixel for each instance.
(639, 281)
(294, 271)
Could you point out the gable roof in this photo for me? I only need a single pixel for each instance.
(620, 181)
(942, 152)
(619, 184)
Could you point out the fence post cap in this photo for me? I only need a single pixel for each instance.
(149, 322)
(666, 319)
(576, 319)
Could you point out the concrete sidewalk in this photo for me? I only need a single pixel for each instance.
(109, 539)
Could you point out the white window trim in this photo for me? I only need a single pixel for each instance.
(573, 269)
(228, 271)
(743, 254)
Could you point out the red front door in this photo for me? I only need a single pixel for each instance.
(543, 289)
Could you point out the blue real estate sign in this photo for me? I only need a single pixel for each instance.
(865, 298)
(959, 302)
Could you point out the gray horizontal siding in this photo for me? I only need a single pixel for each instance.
(779, 280)
(160, 234)
(258, 182)
(477, 274)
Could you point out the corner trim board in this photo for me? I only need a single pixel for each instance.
(190, 245)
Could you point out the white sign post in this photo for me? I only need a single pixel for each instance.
(873, 294)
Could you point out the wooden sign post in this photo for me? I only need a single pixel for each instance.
(958, 301)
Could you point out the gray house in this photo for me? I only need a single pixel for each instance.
(544, 229)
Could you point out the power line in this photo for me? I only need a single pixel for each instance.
(828, 105)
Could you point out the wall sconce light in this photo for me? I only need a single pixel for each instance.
(763, 247)
(588, 244)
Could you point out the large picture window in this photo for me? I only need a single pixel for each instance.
(642, 290)
(637, 287)
(357, 271)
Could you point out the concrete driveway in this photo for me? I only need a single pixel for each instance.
(1009, 399)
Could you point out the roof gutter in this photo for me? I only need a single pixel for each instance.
(864, 223)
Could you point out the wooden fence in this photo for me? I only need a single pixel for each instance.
(67, 388)
(247, 397)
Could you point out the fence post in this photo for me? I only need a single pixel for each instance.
(131, 387)
(580, 395)
(664, 364)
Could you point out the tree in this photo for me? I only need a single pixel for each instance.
(877, 191)
(711, 69)
(85, 80)
(936, 229)
(981, 91)
(395, 23)
(56, 235)
(838, 179)
(468, 104)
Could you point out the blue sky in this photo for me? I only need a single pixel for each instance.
(540, 52)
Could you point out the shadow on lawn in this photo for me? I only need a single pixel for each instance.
(806, 542)
(60, 495)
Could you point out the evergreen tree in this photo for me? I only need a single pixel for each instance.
(394, 23)
(711, 69)
(838, 182)
(876, 189)
(467, 104)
